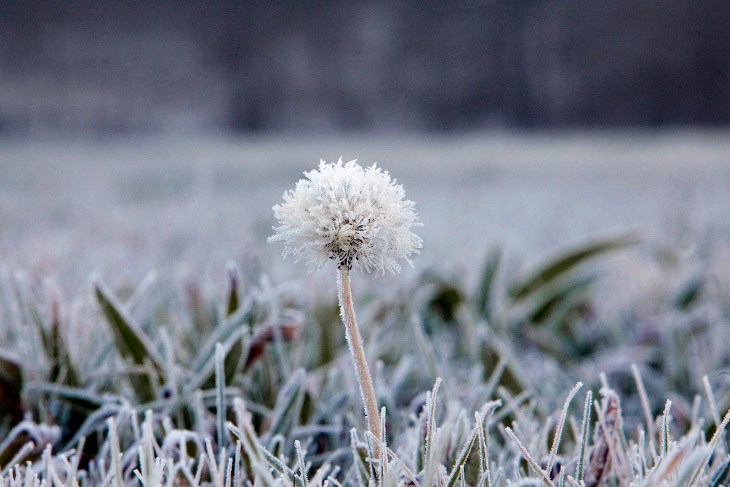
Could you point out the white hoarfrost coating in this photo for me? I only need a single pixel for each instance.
(348, 214)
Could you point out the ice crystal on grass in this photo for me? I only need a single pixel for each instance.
(349, 214)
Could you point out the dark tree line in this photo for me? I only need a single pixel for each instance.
(311, 65)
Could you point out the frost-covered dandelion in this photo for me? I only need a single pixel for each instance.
(352, 215)
(356, 217)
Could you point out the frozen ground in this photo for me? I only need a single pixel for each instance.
(184, 206)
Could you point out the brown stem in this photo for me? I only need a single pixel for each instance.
(367, 391)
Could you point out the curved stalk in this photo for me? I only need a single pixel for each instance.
(367, 391)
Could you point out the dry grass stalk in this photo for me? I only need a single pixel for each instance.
(605, 439)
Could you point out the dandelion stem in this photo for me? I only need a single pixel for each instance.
(354, 341)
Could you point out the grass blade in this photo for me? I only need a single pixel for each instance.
(584, 432)
(560, 425)
(284, 410)
(713, 443)
(220, 397)
(463, 457)
(526, 454)
(131, 341)
(360, 454)
(565, 262)
(234, 280)
(483, 297)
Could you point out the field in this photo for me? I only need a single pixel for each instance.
(548, 259)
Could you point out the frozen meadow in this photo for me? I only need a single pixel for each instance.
(123, 207)
(547, 259)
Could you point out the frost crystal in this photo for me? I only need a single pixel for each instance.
(348, 214)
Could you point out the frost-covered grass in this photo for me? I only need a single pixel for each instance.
(184, 206)
(599, 265)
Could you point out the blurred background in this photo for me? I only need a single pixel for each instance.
(83, 66)
(137, 135)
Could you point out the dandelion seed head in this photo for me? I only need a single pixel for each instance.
(353, 215)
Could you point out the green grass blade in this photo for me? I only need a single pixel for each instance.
(79, 398)
(665, 428)
(721, 475)
(234, 280)
(711, 448)
(233, 359)
(220, 397)
(281, 468)
(549, 299)
(584, 433)
(483, 297)
(688, 293)
(28, 303)
(130, 339)
(565, 262)
(60, 355)
(255, 458)
(284, 410)
(431, 421)
(360, 454)
(221, 333)
(204, 378)
(463, 457)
